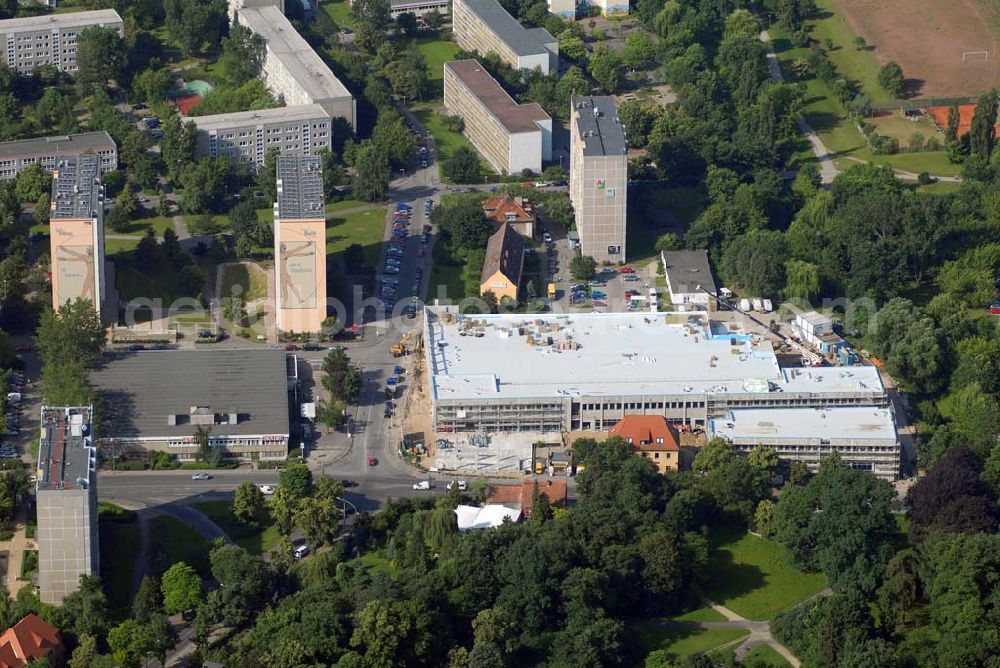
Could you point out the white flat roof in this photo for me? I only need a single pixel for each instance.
(308, 69)
(489, 516)
(301, 112)
(805, 424)
(612, 354)
(63, 21)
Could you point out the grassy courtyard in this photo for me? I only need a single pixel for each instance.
(365, 227)
(340, 12)
(445, 141)
(437, 52)
(175, 541)
(139, 226)
(255, 539)
(244, 280)
(764, 655)
(753, 577)
(120, 539)
(681, 643)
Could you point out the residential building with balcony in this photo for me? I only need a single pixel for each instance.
(512, 137)
(246, 136)
(50, 39)
(47, 151)
(484, 26)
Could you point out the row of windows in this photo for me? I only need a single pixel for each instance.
(638, 405)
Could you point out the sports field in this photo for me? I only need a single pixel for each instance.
(928, 38)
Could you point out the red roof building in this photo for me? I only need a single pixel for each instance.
(517, 212)
(520, 495)
(652, 437)
(29, 640)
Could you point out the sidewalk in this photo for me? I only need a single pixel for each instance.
(15, 548)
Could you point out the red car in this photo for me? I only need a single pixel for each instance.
(626, 270)
(631, 293)
(372, 461)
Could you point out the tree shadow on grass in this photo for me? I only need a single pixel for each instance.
(730, 580)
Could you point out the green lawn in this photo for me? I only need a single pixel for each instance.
(681, 643)
(219, 220)
(828, 117)
(445, 141)
(703, 614)
(376, 562)
(447, 279)
(858, 66)
(344, 205)
(112, 246)
(192, 316)
(174, 541)
(120, 539)
(253, 539)
(29, 564)
(437, 52)
(139, 226)
(654, 210)
(134, 281)
(765, 655)
(752, 576)
(340, 12)
(361, 227)
(250, 283)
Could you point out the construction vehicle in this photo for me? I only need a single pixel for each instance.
(401, 348)
(552, 290)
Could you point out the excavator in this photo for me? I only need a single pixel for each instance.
(402, 348)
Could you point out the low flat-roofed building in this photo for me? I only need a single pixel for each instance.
(516, 211)
(652, 437)
(418, 7)
(585, 372)
(503, 264)
(246, 136)
(484, 26)
(50, 39)
(66, 493)
(300, 245)
(816, 329)
(511, 136)
(47, 151)
(598, 177)
(156, 400)
(76, 239)
(292, 70)
(865, 438)
(689, 276)
(565, 9)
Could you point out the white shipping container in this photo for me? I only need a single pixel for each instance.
(757, 305)
(744, 304)
(768, 307)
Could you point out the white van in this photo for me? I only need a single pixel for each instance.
(301, 551)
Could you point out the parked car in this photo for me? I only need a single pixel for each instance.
(266, 490)
(201, 476)
(460, 484)
(630, 278)
(373, 461)
(626, 270)
(301, 551)
(423, 484)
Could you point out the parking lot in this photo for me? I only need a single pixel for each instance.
(406, 258)
(15, 399)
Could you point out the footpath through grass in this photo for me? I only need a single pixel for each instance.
(255, 539)
(753, 577)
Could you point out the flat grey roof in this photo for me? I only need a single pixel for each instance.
(65, 448)
(57, 146)
(71, 20)
(613, 354)
(524, 42)
(687, 269)
(300, 188)
(307, 68)
(514, 117)
(141, 389)
(76, 190)
(598, 125)
(298, 113)
(805, 425)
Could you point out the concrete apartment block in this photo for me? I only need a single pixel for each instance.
(511, 136)
(236, 5)
(598, 177)
(563, 8)
(50, 39)
(292, 70)
(66, 492)
(484, 26)
(246, 136)
(46, 151)
(417, 7)
(77, 233)
(300, 245)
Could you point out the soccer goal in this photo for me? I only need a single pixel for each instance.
(975, 55)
